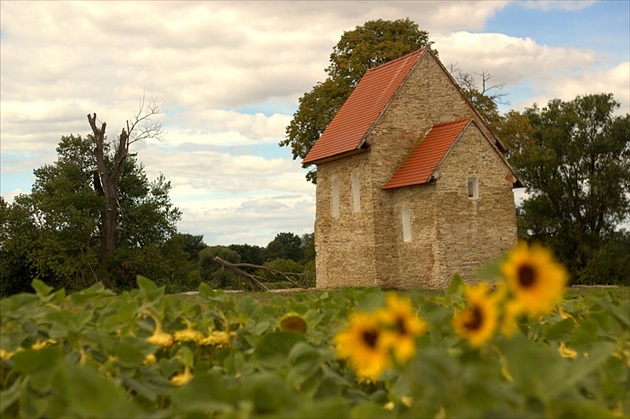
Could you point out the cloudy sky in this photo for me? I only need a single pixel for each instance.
(230, 75)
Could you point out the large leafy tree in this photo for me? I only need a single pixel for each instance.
(285, 246)
(367, 46)
(55, 232)
(577, 170)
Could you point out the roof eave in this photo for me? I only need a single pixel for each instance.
(336, 157)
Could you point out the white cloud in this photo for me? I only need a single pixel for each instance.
(10, 195)
(614, 80)
(557, 4)
(255, 221)
(510, 59)
(458, 15)
(546, 72)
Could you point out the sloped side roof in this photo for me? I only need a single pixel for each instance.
(426, 156)
(365, 104)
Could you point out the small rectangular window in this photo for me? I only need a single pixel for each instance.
(335, 197)
(473, 187)
(356, 192)
(406, 223)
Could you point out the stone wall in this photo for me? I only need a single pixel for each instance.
(472, 232)
(344, 244)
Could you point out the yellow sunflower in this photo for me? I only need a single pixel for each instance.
(159, 337)
(6, 354)
(362, 344)
(39, 344)
(217, 338)
(566, 352)
(188, 335)
(402, 326)
(149, 359)
(181, 379)
(508, 322)
(478, 320)
(534, 278)
(293, 322)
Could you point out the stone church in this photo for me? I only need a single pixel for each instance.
(412, 185)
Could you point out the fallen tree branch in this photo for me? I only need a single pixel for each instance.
(252, 278)
(284, 274)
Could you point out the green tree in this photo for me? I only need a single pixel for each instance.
(249, 253)
(15, 270)
(376, 42)
(514, 129)
(55, 231)
(577, 174)
(214, 273)
(308, 247)
(285, 246)
(192, 245)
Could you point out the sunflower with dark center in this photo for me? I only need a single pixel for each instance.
(477, 322)
(363, 346)
(402, 326)
(293, 322)
(534, 278)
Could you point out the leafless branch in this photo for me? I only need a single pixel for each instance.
(144, 124)
(468, 83)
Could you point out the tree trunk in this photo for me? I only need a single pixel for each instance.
(106, 184)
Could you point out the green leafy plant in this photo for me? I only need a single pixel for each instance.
(145, 354)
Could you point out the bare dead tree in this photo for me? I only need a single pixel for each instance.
(478, 84)
(143, 125)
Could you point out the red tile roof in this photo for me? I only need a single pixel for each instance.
(426, 156)
(346, 131)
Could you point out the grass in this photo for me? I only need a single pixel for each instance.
(619, 293)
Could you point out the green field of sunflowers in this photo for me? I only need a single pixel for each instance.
(516, 346)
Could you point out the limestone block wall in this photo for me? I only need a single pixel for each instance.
(428, 96)
(472, 231)
(344, 243)
(415, 257)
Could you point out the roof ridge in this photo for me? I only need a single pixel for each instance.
(394, 61)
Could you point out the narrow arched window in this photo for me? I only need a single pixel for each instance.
(356, 192)
(335, 197)
(406, 224)
(473, 187)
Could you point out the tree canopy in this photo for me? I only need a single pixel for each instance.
(285, 246)
(54, 232)
(577, 170)
(370, 45)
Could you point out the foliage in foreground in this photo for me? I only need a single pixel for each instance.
(143, 354)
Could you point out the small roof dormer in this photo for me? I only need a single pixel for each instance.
(425, 158)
